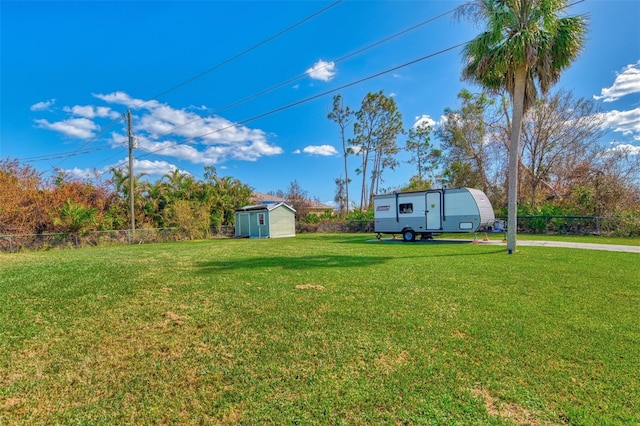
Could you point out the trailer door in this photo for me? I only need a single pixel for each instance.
(434, 210)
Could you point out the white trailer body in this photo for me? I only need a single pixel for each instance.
(431, 212)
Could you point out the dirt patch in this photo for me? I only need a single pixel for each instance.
(458, 334)
(506, 411)
(233, 416)
(309, 287)
(173, 318)
(390, 362)
(10, 403)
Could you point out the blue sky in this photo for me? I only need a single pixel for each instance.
(190, 72)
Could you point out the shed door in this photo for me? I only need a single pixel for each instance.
(262, 228)
(434, 210)
(243, 225)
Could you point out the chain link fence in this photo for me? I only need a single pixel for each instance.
(564, 225)
(21, 242)
(579, 225)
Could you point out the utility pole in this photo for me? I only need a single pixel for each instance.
(132, 212)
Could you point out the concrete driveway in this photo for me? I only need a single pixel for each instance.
(563, 244)
(586, 246)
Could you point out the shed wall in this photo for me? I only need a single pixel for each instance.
(282, 222)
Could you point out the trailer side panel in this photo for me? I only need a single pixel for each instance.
(433, 211)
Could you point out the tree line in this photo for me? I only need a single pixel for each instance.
(563, 169)
(520, 54)
(31, 204)
(529, 149)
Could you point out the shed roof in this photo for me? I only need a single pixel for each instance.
(269, 207)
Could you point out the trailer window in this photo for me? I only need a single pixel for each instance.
(406, 208)
(260, 218)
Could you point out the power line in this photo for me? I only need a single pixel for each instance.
(236, 56)
(302, 75)
(308, 99)
(276, 110)
(268, 90)
(80, 150)
(302, 101)
(279, 85)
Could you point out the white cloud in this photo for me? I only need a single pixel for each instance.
(322, 70)
(166, 131)
(84, 173)
(423, 120)
(355, 150)
(123, 98)
(297, 151)
(625, 122)
(89, 111)
(627, 149)
(324, 150)
(154, 168)
(221, 138)
(43, 106)
(201, 151)
(626, 83)
(81, 128)
(199, 108)
(146, 167)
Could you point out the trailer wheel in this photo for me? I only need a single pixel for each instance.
(408, 235)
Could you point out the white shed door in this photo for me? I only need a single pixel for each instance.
(434, 203)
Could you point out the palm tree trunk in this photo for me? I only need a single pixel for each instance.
(516, 127)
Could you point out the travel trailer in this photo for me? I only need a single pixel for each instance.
(430, 212)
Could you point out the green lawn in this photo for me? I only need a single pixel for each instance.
(319, 329)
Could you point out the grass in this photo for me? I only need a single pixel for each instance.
(319, 329)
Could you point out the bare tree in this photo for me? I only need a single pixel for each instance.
(466, 137)
(558, 133)
(375, 132)
(298, 198)
(424, 156)
(343, 116)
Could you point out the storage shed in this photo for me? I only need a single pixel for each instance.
(266, 221)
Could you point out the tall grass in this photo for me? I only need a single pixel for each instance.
(319, 329)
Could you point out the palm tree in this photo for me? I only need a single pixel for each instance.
(181, 185)
(523, 50)
(74, 217)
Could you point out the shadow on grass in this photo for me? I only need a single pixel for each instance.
(435, 241)
(420, 241)
(306, 262)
